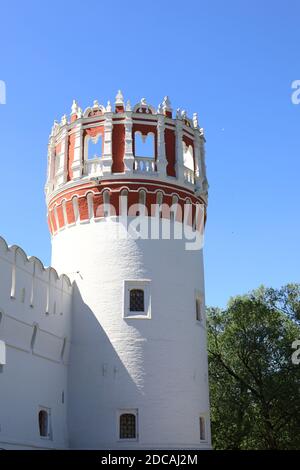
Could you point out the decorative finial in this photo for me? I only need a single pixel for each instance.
(79, 113)
(183, 114)
(64, 120)
(178, 113)
(166, 104)
(128, 106)
(74, 108)
(143, 102)
(160, 109)
(195, 120)
(108, 107)
(95, 104)
(119, 98)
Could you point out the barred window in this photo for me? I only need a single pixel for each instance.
(127, 426)
(136, 302)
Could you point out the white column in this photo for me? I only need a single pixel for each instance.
(128, 157)
(197, 159)
(179, 151)
(61, 173)
(204, 182)
(49, 186)
(78, 152)
(107, 150)
(161, 147)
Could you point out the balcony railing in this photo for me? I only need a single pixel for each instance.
(93, 167)
(144, 165)
(189, 176)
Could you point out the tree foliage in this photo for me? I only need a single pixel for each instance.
(254, 386)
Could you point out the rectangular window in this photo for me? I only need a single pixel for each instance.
(199, 306)
(198, 310)
(137, 299)
(202, 428)
(44, 422)
(127, 424)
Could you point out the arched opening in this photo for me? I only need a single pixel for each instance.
(144, 145)
(137, 300)
(128, 426)
(188, 163)
(94, 147)
(188, 156)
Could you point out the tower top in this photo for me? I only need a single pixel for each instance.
(140, 144)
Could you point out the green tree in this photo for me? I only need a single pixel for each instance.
(254, 386)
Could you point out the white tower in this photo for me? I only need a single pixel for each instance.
(138, 367)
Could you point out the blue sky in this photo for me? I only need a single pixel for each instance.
(233, 62)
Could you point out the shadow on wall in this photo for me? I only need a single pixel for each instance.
(99, 385)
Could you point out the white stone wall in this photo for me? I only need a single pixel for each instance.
(35, 326)
(157, 366)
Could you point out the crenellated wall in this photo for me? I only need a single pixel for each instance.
(35, 335)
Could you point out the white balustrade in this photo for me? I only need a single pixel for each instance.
(93, 167)
(189, 176)
(144, 165)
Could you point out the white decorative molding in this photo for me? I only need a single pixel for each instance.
(144, 107)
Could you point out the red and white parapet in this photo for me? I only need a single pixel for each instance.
(76, 184)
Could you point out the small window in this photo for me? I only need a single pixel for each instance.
(202, 428)
(44, 423)
(137, 303)
(198, 309)
(128, 426)
(137, 299)
(199, 306)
